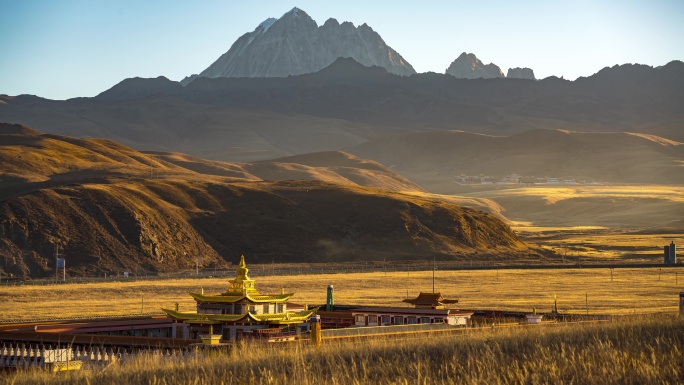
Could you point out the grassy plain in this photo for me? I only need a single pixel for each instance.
(630, 351)
(602, 223)
(631, 291)
(644, 207)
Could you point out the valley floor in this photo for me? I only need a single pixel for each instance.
(578, 291)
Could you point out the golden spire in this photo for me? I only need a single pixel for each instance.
(242, 269)
(242, 284)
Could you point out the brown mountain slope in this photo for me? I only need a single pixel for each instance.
(352, 170)
(113, 209)
(28, 155)
(165, 123)
(162, 225)
(331, 166)
(433, 159)
(46, 160)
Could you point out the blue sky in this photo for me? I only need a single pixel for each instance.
(67, 48)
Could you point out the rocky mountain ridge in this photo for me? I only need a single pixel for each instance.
(294, 44)
(468, 66)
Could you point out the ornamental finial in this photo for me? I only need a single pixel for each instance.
(242, 269)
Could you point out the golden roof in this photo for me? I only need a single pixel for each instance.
(256, 298)
(278, 318)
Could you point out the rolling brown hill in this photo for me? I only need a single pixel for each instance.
(432, 159)
(330, 166)
(28, 156)
(162, 225)
(112, 209)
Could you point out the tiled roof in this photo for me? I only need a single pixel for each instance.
(401, 310)
(434, 299)
(236, 298)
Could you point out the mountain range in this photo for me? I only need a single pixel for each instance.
(347, 104)
(468, 66)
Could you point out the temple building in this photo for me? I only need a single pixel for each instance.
(239, 312)
(429, 308)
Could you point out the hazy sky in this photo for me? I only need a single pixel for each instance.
(67, 48)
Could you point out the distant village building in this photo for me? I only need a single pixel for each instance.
(517, 179)
(240, 312)
(670, 254)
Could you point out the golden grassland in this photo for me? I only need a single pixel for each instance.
(558, 193)
(597, 246)
(631, 291)
(605, 247)
(544, 208)
(630, 351)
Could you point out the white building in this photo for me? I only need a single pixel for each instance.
(430, 308)
(384, 316)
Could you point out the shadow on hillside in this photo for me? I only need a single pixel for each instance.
(14, 187)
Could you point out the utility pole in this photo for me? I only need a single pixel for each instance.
(197, 262)
(433, 274)
(586, 302)
(59, 262)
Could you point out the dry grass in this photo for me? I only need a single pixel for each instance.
(544, 208)
(643, 290)
(638, 351)
(606, 247)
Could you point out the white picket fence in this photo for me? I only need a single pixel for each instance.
(23, 355)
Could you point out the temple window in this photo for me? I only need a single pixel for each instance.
(425, 320)
(252, 309)
(280, 308)
(385, 320)
(412, 320)
(360, 319)
(266, 308)
(398, 320)
(372, 319)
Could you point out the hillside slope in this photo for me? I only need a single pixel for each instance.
(112, 209)
(162, 225)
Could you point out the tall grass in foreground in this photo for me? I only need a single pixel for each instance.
(644, 351)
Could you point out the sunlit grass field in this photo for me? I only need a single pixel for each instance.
(544, 208)
(631, 291)
(645, 350)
